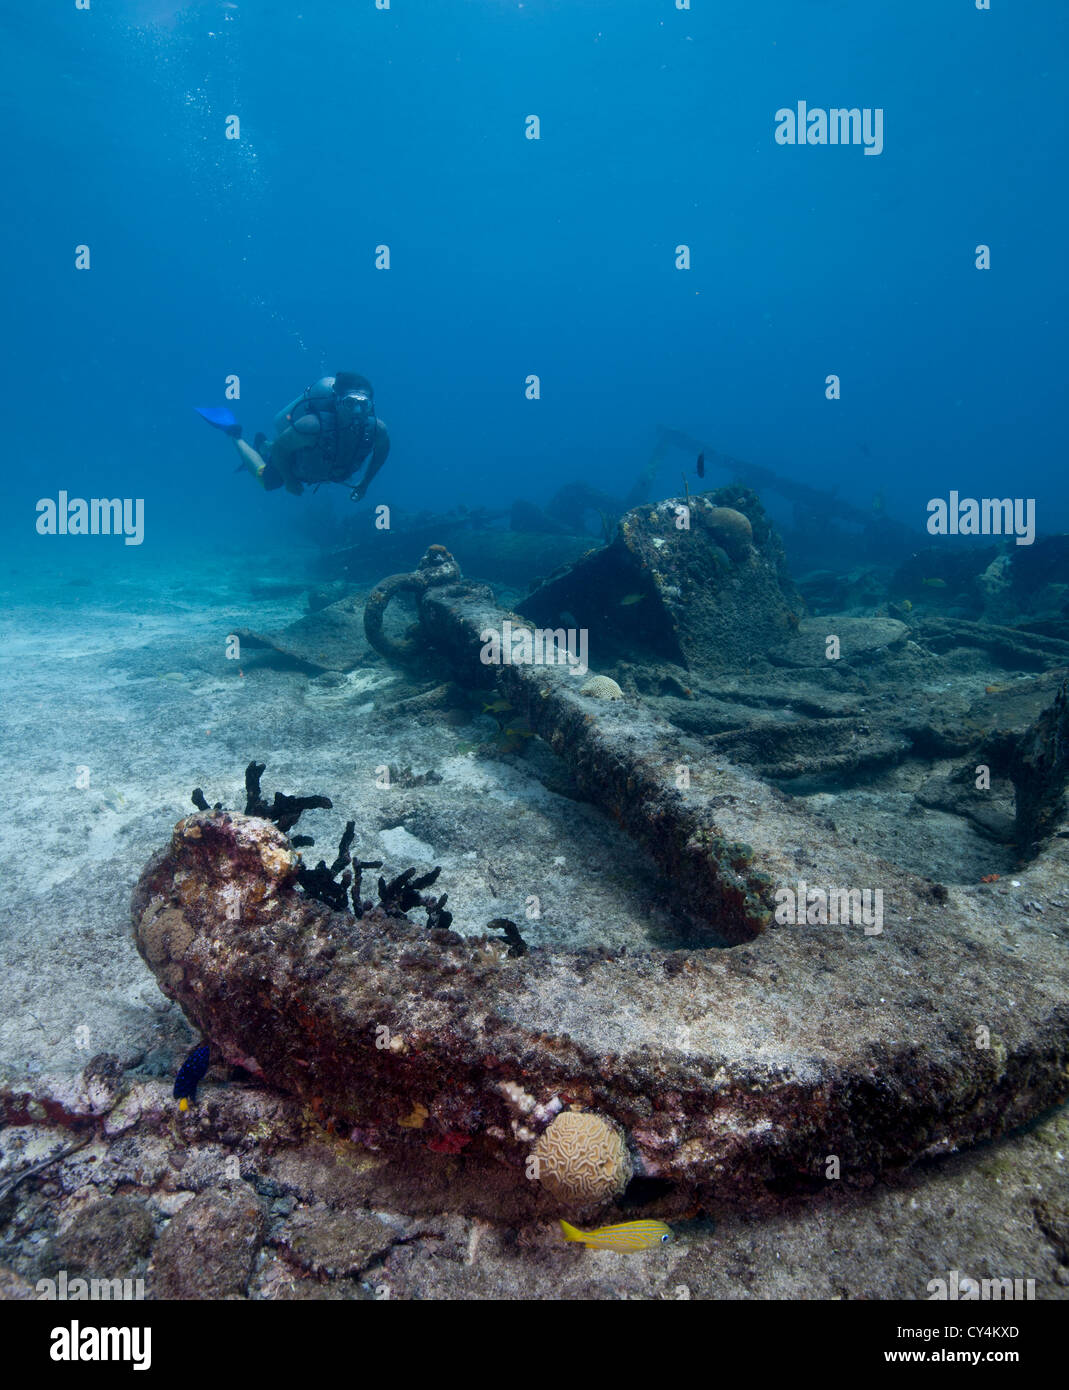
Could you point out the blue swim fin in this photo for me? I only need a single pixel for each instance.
(220, 418)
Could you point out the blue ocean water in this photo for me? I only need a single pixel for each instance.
(407, 126)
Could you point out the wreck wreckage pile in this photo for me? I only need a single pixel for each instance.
(739, 1068)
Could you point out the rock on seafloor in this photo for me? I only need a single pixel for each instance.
(208, 1249)
(727, 1069)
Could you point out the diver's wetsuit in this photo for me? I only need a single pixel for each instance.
(324, 436)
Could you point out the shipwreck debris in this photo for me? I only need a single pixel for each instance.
(1040, 771)
(331, 638)
(735, 1070)
(729, 1070)
(436, 567)
(700, 581)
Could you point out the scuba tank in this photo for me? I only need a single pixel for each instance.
(313, 400)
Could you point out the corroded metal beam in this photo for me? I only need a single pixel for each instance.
(656, 784)
(723, 838)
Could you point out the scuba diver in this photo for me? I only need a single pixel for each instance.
(326, 435)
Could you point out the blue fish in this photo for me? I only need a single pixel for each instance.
(220, 418)
(191, 1074)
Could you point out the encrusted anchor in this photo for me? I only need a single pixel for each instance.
(437, 567)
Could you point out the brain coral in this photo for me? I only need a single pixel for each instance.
(602, 688)
(732, 530)
(582, 1158)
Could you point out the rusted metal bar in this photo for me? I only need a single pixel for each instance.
(713, 829)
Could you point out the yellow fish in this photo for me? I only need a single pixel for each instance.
(629, 1235)
(498, 707)
(629, 599)
(934, 583)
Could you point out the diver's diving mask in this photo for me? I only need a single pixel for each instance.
(356, 405)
